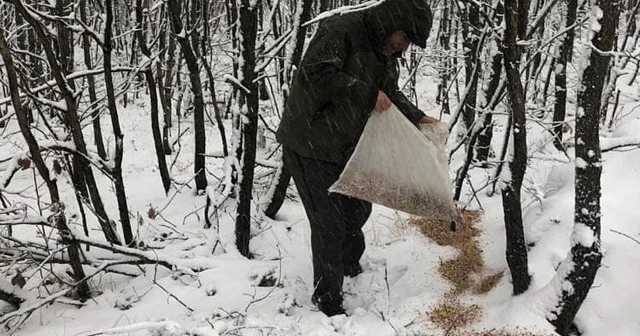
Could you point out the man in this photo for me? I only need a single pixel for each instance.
(349, 70)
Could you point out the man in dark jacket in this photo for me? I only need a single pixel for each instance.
(348, 71)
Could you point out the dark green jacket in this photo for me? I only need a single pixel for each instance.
(336, 86)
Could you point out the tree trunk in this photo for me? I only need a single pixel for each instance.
(483, 146)
(196, 89)
(95, 114)
(248, 17)
(470, 29)
(74, 122)
(566, 52)
(123, 208)
(168, 93)
(34, 150)
(65, 38)
(153, 97)
(580, 268)
(444, 40)
(283, 176)
(516, 246)
(23, 45)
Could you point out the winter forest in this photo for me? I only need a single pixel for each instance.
(143, 192)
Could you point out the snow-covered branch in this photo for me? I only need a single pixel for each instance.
(77, 74)
(236, 82)
(344, 10)
(609, 144)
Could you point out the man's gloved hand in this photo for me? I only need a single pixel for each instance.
(383, 102)
(428, 120)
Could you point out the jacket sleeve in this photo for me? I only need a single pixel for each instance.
(322, 69)
(390, 87)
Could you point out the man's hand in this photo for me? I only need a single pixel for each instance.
(383, 102)
(428, 120)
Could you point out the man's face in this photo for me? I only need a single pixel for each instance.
(397, 42)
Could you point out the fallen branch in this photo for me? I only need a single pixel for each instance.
(30, 309)
(188, 266)
(609, 144)
(11, 294)
(140, 326)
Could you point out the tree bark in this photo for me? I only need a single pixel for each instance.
(516, 247)
(23, 44)
(34, 150)
(121, 195)
(470, 29)
(248, 17)
(168, 92)
(196, 89)
(74, 122)
(566, 53)
(283, 176)
(585, 256)
(486, 135)
(444, 74)
(153, 97)
(95, 114)
(65, 38)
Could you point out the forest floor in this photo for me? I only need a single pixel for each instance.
(419, 278)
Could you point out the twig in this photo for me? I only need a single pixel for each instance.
(176, 193)
(276, 285)
(173, 296)
(626, 235)
(136, 327)
(155, 282)
(33, 307)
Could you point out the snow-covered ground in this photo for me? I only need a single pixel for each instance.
(401, 285)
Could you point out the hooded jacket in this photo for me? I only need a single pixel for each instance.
(336, 87)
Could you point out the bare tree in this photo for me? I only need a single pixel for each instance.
(581, 266)
(516, 246)
(471, 31)
(566, 53)
(121, 194)
(71, 114)
(180, 32)
(34, 150)
(153, 97)
(93, 99)
(248, 98)
(166, 88)
(283, 177)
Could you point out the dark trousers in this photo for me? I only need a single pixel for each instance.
(336, 223)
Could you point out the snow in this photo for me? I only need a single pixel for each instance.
(582, 234)
(581, 163)
(344, 10)
(215, 291)
(182, 34)
(235, 81)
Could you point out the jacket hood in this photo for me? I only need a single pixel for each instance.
(411, 16)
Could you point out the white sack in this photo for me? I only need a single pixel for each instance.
(399, 166)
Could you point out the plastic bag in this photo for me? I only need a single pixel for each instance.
(401, 167)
